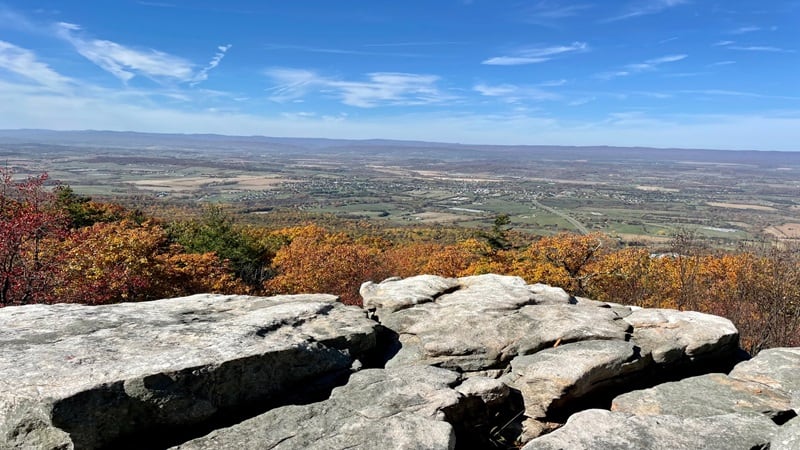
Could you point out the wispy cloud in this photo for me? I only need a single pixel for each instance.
(545, 12)
(760, 48)
(380, 88)
(649, 65)
(727, 93)
(751, 48)
(203, 74)
(125, 62)
(511, 93)
(535, 55)
(646, 7)
(744, 30)
(721, 63)
(24, 63)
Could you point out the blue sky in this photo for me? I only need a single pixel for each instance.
(664, 73)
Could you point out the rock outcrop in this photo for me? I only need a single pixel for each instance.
(429, 362)
(560, 352)
(76, 376)
(752, 407)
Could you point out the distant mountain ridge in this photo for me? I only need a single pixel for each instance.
(199, 142)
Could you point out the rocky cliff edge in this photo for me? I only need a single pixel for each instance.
(428, 363)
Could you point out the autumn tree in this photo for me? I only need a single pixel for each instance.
(620, 276)
(561, 260)
(318, 261)
(28, 219)
(127, 261)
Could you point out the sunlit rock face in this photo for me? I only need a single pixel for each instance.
(428, 363)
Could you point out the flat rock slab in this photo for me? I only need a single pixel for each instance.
(401, 408)
(778, 368)
(707, 395)
(597, 429)
(671, 336)
(83, 377)
(554, 377)
(481, 323)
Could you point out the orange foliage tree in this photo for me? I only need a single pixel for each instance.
(561, 260)
(318, 261)
(126, 261)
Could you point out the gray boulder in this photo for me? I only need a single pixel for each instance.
(788, 437)
(395, 294)
(778, 368)
(399, 409)
(670, 336)
(706, 395)
(485, 321)
(554, 377)
(597, 429)
(85, 377)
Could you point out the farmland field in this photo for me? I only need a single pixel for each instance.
(637, 195)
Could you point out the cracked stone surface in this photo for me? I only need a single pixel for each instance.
(551, 347)
(84, 376)
(670, 336)
(472, 362)
(484, 321)
(706, 395)
(749, 408)
(598, 429)
(556, 376)
(401, 408)
(778, 368)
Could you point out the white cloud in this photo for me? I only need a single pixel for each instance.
(380, 88)
(650, 64)
(752, 48)
(760, 48)
(125, 62)
(646, 7)
(743, 30)
(582, 101)
(613, 74)
(546, 12)
(511, 93)
(727, 93)
(203, 74)
(24, 63)
(535, 55)
(665, 59)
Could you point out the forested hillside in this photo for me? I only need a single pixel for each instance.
(57, 246)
